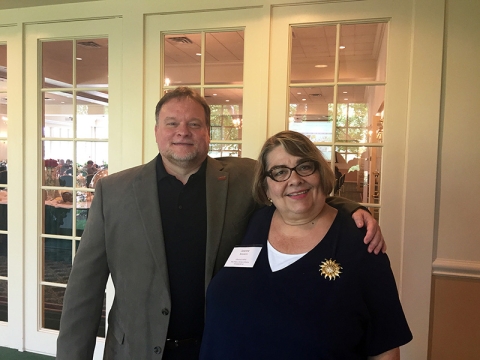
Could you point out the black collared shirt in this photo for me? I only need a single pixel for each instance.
(183, 209)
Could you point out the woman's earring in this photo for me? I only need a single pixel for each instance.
(270, 200)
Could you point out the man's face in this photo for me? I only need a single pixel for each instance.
(181, 133)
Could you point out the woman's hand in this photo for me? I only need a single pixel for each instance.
(374, 237)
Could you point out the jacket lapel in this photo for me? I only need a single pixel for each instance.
(217, 189)
(146, 196)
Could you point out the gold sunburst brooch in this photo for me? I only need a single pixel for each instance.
(330, 269)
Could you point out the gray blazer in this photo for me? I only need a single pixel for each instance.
(124, 238)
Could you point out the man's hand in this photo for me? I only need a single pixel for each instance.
(374, 237)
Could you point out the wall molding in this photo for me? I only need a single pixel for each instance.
(459, 268)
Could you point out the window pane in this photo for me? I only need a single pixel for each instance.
(92, 62)
(224, 57)
(52, 303)
(3, 255)
(313, 54)
(58, 114)
(182, 59)
(310, 112)
(226, 116)
(225, 150)
(58, 215)
(57, 260)
(363, 52)
(96, 152)
(56, 161)
(358, 110)
(3, 300)
(92, 115)
(361, 166)
(57, 64)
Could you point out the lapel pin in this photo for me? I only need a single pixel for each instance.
(222, 177)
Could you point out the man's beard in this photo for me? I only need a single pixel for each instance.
(184, 160)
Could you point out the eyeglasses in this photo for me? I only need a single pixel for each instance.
(283, 173)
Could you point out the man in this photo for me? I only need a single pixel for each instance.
(161, 230)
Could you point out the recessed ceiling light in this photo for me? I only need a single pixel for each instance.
(298, 93)
(198, 54)
(304, 99)
(345, 99)
(342, 47)
(345, 92)
(227, 100)
(214, 94)
(321, 66)
(79, 58)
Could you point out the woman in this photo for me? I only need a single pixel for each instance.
(313, 292)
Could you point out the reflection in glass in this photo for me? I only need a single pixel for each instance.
(57, 64)
(92, 62)
(361, 167)
(52, 304)
(226, 118)
(182, 59)
(359, 110)
(225, 150)
(57, 263)
(92, 157)
(313, 54)
(310, 112)
(92, 115)
(3, 300)
(58, 215)
(362, 52)
(57, 161)
(3, 255)
(224, 57)
(58, 114)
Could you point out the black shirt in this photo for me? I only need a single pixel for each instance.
(183, 210)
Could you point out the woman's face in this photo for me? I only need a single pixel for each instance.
(298, 197)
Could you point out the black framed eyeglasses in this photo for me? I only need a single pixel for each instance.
(283, 173)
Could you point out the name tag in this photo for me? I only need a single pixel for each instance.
(243, 256)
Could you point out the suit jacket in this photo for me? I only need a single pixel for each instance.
(124, 238)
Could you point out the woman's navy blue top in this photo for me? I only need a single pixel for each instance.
(297, 313)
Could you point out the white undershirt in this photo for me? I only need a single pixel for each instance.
(278, 260)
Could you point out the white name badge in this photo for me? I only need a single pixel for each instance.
(243, 256)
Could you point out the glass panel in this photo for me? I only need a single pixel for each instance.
(225, 150)
(313, 54)
(182, 59)
(92, 62)
(361, 167)
(58, 214)
(57, 64)
(84, 200)
(224, 57)
(52, 304)
(58, 114)
(3, 255)
(3, 68)
(363, 52)
(92, 158)
(57, 155)
(358, 112)
(310, 112)
(3, 300)
(92, 114)
(226, 116)
(57, 260)
(3, 210)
